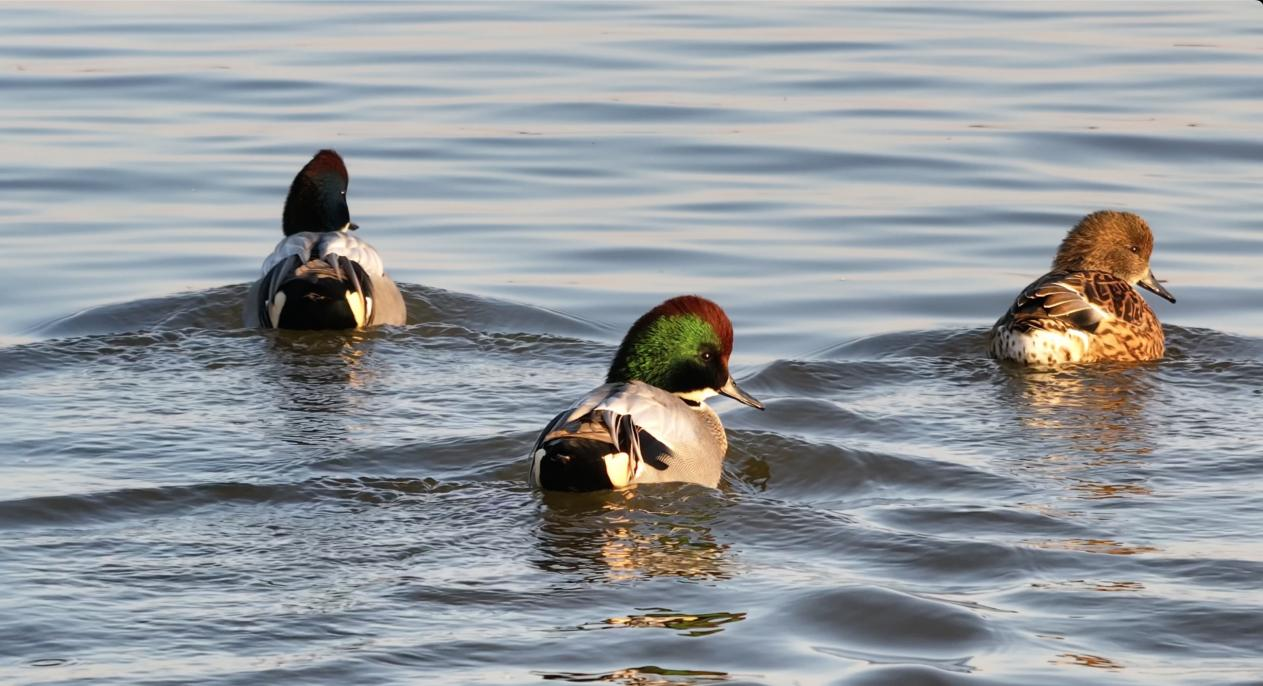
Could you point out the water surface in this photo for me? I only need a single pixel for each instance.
(864, 189)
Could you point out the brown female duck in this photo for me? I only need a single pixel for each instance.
(1087, 309)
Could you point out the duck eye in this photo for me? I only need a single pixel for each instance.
(1134, 248)
(706, 355)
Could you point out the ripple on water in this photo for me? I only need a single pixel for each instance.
(863, 188)
(876, 618)
(914, 564)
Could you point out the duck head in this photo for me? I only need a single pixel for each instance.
(317, 198)
(1117, 243)
(681, 346)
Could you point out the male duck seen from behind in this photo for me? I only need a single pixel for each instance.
(649, 422)
(321, 276)
(1087, 309)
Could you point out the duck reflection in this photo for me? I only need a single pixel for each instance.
(317, 379)
(1085, 660)
(1091, 431)
(1092, 410)
(701, 624)
(624, 535)
(648, 675)
(1090, 424)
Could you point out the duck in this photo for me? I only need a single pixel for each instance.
(321, 275)
(1087, 309)
(649, 422)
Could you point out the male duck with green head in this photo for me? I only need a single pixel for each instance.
(649, 422)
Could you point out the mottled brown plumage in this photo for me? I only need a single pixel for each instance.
(1086, 309)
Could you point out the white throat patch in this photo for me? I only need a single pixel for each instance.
(698, 397)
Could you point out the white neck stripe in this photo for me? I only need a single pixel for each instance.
(698, 396)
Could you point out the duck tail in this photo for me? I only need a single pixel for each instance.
(570, 463)
(329, 293)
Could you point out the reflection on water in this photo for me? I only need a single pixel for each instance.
(1097, 411)
(627, 534)
(1102, 586)
(648, 675)
(702, 624)
(1093, 545)
(326, 359)
(1097, 419)
(319, 382)
(187, 501)
(1085, 660)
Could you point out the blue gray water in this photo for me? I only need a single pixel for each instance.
(863, 188)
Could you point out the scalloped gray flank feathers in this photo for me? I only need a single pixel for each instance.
(322, 276)
(1086, 309)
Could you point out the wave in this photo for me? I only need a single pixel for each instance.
(220, 309)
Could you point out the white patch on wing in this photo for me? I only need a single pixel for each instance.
(618, 467)
(356, 303)
(535, 459)
(275, 307)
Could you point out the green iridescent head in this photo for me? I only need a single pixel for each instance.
(681, 346)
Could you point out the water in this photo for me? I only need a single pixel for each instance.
(864, 190)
